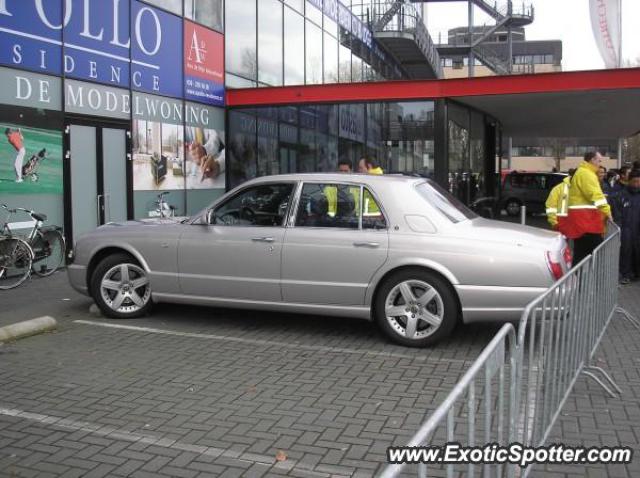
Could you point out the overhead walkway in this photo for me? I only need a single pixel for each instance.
(400, 31)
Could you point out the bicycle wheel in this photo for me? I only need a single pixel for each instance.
(48, 249)
(15, 262)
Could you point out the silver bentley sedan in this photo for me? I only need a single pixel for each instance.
(396, 250)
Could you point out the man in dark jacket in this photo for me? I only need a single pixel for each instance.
(626, 213)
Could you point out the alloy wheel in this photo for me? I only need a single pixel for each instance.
(414, 309)
(125, 288)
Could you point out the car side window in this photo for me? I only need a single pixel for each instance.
(328, 205)
(264, 205)
(372, 217)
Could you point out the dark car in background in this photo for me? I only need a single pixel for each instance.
(528, 189)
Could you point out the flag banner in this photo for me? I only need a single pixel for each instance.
(607, 30)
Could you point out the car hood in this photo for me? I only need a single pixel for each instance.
(488, 230)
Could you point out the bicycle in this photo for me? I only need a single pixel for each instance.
(163, 208)
(41, 252)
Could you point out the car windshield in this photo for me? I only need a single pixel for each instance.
(448, 205)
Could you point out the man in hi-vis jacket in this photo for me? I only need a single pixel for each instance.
(588, 208)
(557, 204)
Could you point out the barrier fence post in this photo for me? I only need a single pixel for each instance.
(556, 340)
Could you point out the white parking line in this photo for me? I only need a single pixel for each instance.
(228, 338)
(149, 439)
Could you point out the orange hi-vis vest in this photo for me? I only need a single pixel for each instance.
(588, 207)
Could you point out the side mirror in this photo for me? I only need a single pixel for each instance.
(210, 217)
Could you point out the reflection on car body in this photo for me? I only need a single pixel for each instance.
(398, 250)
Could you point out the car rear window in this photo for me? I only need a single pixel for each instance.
(447, 204)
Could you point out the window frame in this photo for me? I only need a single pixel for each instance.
(293, 214)
(213, 208)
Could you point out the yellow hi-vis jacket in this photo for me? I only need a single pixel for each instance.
(588, 207)
(558, 202)
(331, 193)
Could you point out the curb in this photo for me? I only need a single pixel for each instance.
(27, 328)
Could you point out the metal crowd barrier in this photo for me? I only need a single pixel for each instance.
(557, 337)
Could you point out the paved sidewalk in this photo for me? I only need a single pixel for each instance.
(200, 392)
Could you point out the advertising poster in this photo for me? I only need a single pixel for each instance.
(121, 43)
(30, 160)
(205, 154)
(158, 144)
(26, 41)
(156, 65)
(205, 148)
(203, 64)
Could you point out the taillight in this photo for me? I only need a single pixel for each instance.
(568, 257)
(554, 267)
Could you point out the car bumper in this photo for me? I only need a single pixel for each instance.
(78, 278)
(494, 303)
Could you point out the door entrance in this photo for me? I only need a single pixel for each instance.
(97, 175)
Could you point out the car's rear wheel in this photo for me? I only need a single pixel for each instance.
(513, 207)
(120, 287)
(416, 308)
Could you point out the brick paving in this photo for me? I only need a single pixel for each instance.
(230, 390)
(330, 394)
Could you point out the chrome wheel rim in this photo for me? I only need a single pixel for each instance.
(414, 309)
(125, 288)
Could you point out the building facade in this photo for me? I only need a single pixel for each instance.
(528, 56)
(109, 103)
(115, 101)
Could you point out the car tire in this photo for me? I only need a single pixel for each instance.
(120, 287)
(512, 206)
(431, 298)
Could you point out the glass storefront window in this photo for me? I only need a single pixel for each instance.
(242, 147)
(313, 138)
(240, 41)
(330, 59)
(356, 69)
(344, 68)
(460, 176)
(267, 148)
(477, 161)
(313, 14)
(270, 42)
(307, 157)
(206, 12)
(330, 26)
(233, 81)
(293, 50)
(313, 49)
(296, 4)
(174, 6)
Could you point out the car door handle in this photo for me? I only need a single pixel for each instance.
(263, 239)
(371, 245)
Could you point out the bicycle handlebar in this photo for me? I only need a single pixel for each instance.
(16, 209)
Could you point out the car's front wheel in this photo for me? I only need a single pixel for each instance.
(416, 308)
(120, 287)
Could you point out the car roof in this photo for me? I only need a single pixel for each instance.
(546, 173)
(341, 177)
